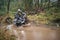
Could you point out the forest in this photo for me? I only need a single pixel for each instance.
(38, 12)
(48, 9)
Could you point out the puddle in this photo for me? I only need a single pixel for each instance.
(34, 33)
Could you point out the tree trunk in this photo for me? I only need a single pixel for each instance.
(58, 3)
(19, 3)
(38, 3)
(26, 5)
(41, 3)
(8, 6)
(48, 4)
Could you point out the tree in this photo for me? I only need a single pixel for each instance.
(48, 4)
(8, 6)
(28, 4)
(3, 4)
(41, 3)
(58, 3)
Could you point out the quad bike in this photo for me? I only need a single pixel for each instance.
(20, 21)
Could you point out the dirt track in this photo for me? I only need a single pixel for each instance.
(32, 32)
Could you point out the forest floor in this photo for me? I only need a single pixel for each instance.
(35, 30)
(31, 31)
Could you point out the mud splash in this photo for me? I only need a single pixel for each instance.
(33, 33)
(16, 33)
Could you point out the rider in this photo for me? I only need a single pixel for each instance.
(20, 17)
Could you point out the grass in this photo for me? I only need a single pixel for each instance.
(39, 18)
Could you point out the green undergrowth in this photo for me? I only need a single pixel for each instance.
(44, 18)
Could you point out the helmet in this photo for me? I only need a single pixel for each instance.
(19, 10)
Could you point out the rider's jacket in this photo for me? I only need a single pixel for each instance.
(20, 18)
(22, 15)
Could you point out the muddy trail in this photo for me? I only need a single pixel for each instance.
(33, 32)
